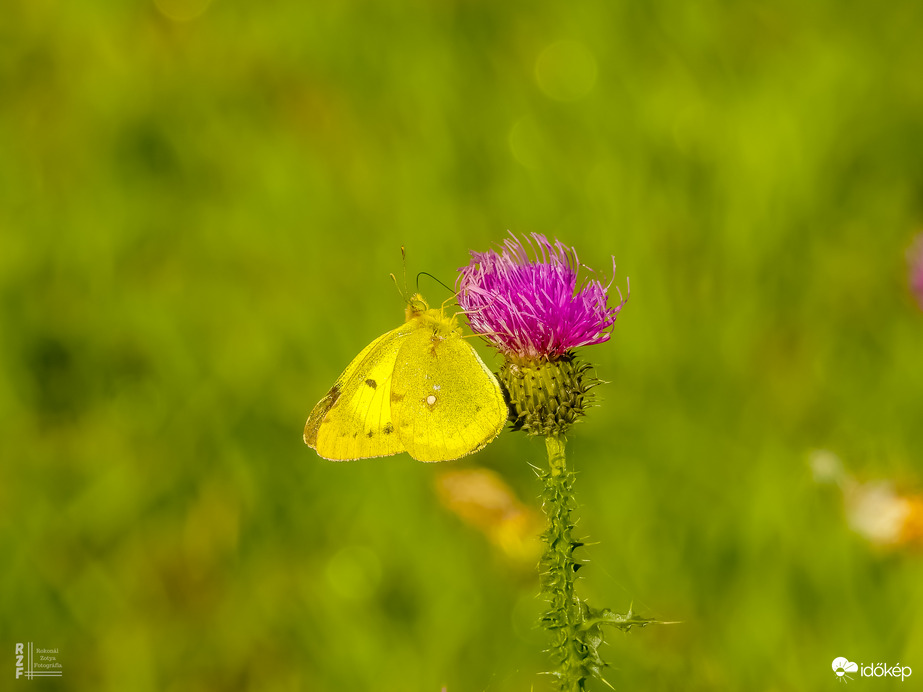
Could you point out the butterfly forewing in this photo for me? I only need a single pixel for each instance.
(354, 420)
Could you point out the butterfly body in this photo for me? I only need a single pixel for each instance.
(420, 388)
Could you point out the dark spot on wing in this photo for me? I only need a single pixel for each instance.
(371, 383)
(388, 429)
(370, 434)
(334, 394)
(319, 413)
(396, 397)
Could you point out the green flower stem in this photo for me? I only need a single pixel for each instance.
(557, 459)
(574, 626)
(575, 658)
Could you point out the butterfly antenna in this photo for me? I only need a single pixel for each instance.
(404, 263)
(402, 291)
(450, 289)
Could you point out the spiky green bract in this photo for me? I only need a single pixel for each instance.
(547, 396)
(575, 626)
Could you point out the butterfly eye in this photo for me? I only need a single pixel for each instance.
(417, 304)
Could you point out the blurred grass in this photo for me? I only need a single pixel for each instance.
(197, 221)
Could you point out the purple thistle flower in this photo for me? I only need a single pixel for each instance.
(534, 308)
(915, 255)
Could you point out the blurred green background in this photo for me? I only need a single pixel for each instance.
(199, 208)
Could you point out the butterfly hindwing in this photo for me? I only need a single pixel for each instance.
(445, 403)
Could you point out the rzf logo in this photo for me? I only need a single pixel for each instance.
(19, 657)
(30, 666)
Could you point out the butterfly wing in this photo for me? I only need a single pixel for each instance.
(445, 403)
(353, 421)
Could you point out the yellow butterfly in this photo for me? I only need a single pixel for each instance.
(420, 389)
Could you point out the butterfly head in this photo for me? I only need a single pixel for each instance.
(436, 319)
(416, 306)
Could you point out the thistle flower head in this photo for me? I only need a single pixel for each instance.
(528, 300)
